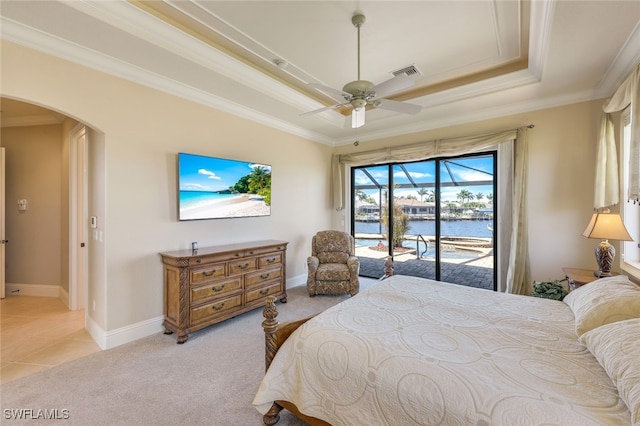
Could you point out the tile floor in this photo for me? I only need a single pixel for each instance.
(37, 333)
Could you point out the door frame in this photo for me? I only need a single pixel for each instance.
(78, 218)
(3, 241)
(497, 249)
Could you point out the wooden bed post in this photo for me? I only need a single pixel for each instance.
(388, 268)
(270, 326)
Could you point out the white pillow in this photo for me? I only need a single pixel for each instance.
(616, 346)
(604, 301)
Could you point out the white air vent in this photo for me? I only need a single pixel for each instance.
(409, 71)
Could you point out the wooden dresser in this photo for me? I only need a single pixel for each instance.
(212, 284)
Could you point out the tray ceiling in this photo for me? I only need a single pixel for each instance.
(469, 60)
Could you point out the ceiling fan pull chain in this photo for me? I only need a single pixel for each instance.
(358, 51)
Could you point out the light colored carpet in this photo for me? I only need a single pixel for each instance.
(209, 380)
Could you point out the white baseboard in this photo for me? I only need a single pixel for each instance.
(120, 336)
(297, 281)
(43, 290)
(133, 332)
(96, 332)
(64, 296)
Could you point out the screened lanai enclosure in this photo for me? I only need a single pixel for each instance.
(434, 218)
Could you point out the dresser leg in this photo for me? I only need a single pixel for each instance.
(182, 338)
(167, 331)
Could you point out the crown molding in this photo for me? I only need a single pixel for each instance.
(135, 21)
(442, 119)
(30, 120)
(622, 66)
(51, 45)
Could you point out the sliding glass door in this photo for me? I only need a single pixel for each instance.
(434, 218)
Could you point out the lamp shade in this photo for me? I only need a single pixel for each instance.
(607, 226)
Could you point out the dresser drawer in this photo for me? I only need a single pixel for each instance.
(262, 276)
(261, 293)
(215, 289)
(261, 250)
(270, 259)
(207, 273)
(221, 257)
(242, 266)
(218, 307)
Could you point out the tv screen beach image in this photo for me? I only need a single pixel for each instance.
(214, 188)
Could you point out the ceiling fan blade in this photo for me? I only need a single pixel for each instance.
(357, 118)
(315, 111)
(334, 93)
(393, 85)
(396, 106)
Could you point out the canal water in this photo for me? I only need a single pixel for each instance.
(448, 228)
(426, 228)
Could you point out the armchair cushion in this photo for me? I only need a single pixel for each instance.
(333, 257)
(333, 272)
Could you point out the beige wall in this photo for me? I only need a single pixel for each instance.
(137, 133)
(560, 175)
(34, 172)
(142, 130)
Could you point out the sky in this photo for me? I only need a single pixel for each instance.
(469, 169)
(201, 173)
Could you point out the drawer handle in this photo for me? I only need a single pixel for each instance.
(218, 288)
(245, 266)
(251, 252)
(237, 255)
(218, 307)
(273, 259)
(209, 273)
(264, 276)
(264, 292)
(199, 261)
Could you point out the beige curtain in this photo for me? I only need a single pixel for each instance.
(516, 268)
(607, 187)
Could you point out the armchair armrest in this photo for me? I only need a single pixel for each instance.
(312, 264)
(354, 264)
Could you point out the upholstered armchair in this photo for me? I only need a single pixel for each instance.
(333, 266)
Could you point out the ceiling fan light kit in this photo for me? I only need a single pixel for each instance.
(360, 93)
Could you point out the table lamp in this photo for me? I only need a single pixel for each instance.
(606, 226)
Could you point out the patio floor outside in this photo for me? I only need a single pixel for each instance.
(469, 271)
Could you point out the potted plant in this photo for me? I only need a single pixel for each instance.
(550, 289)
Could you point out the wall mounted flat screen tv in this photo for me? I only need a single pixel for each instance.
(214, 188)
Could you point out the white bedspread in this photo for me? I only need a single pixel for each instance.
(413, 351)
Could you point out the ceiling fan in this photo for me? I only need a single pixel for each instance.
(360, 93)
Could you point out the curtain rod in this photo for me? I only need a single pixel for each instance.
(528, 126)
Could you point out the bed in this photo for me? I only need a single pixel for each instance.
(412, 351)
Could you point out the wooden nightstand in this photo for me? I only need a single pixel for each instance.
(579, 277)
